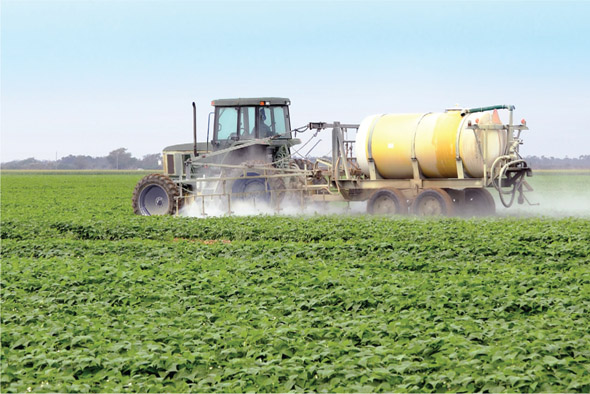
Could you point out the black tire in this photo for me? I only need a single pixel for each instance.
(387, 202)
(478, 202)
(155, 194)
(433, 202)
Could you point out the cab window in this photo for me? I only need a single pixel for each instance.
(247, 123)
(265, 122)
(272, 121)
(227, 123)
(280, 120)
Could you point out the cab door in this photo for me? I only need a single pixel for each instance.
(225, 127)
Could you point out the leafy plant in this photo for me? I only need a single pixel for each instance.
(96, 299)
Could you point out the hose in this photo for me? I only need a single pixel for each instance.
(300, 130)
(483, 109)
(517, 185)
(492, 172)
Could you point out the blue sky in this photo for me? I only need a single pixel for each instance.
(87, 77)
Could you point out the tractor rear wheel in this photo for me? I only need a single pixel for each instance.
(433, 202)
(387, 202)
(155, 194)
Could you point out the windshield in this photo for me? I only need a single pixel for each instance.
(273, 121)
(242, 123)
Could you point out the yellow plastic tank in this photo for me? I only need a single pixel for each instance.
(391, 140)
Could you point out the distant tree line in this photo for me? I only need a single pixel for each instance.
(119, 159)
(554, 163)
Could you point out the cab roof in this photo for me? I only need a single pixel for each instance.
(236, 102)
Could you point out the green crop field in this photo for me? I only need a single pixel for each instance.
(95, 299)
(559, 193)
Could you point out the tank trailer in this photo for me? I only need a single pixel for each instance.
(426, 164)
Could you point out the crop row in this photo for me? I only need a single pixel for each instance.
(95, 299)
(181, 315)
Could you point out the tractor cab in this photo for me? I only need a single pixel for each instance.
(243, 129)
(246, 119)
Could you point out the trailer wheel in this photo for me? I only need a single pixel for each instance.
(387, 202)
(433, 202)
(155, 194)
(479, 202)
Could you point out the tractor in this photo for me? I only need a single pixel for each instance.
(250, 146)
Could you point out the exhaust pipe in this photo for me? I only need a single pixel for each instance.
(195, 128)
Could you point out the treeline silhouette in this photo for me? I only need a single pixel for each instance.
(555, 163)
(119, 159)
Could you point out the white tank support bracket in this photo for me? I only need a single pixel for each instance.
(413, 157)
(370, 139)
(417, 174)
(460, 169)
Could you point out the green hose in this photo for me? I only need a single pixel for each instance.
(483, 109)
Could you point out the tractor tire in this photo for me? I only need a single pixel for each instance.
(156, 194)
(270, 190)
(433, 202)
(387, 202)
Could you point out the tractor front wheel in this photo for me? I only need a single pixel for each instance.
(155, 194)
